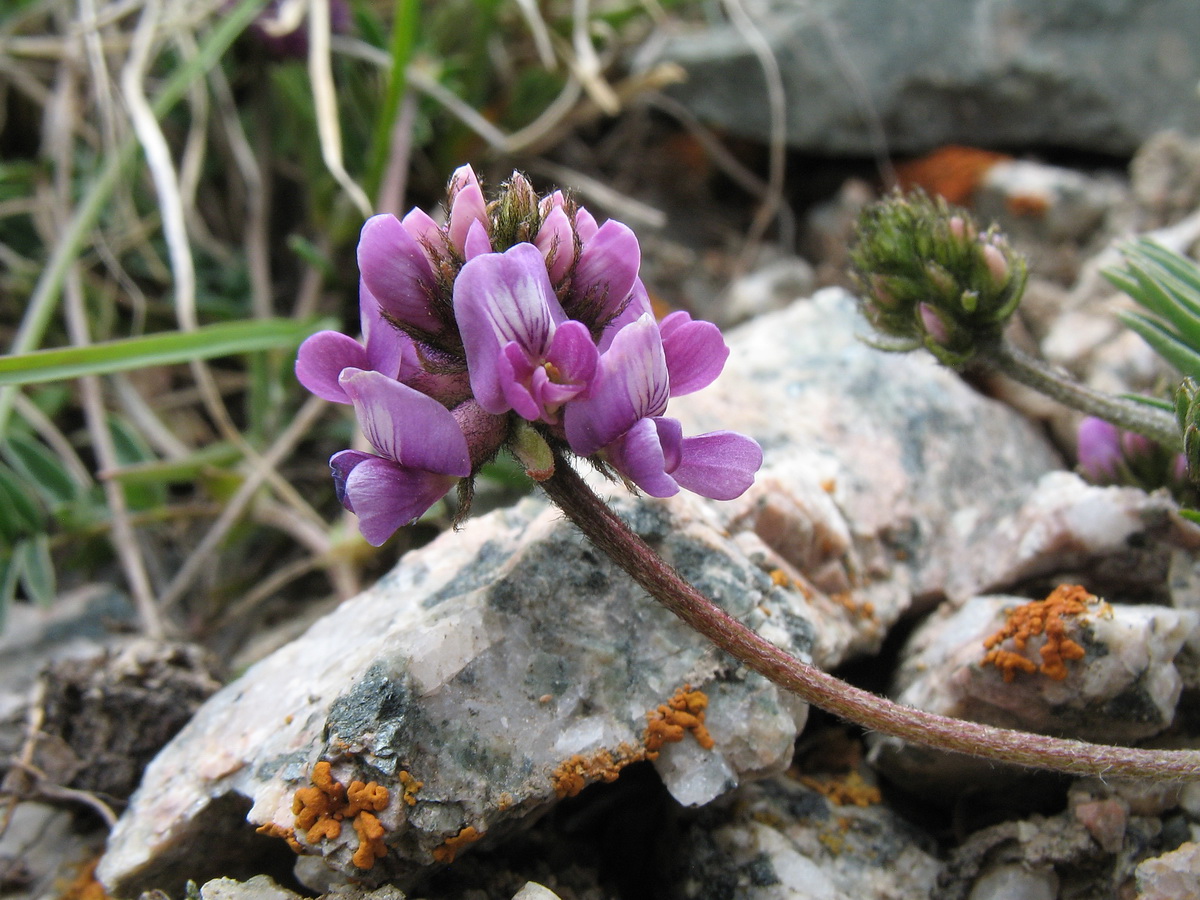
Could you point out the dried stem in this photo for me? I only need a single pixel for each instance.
(609, 533)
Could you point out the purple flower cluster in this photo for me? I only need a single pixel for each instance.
(520, 316)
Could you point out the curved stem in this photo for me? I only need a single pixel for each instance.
(1155, 424)
(609, 533)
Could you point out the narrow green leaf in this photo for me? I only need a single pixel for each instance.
(175, 471)
(1156, 402)
(10, 576)
(1191, 515)
(1166, 344)
(20, 513)
(131, 449)
(1167, 304)
(223, 339)
(1180, 266)
(40, 466)
(37, 569)
(400, 47)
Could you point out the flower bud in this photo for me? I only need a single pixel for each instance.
(930, 277)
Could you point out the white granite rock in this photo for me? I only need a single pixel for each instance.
(1124, 688)
(781, 840)
(1172, 876)
(1118, 540)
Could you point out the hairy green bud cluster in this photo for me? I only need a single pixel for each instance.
(928, 277)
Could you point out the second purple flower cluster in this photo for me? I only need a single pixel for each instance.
(516, 315)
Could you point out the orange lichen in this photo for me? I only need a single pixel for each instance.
(1048, 618)
(369, 796)
(863, 610)
(85, 886)
(370, 840)
(574, 774)
(270, 829)
(847, 790)
(411, 787)
(953, 172)
(321, 809)
(780, 578)
(684, 712)
(448, 850)
(1032, 205)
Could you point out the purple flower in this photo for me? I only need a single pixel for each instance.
(467, 207)
(322, 357)
(522, 309)
(1099, 449)
(695, 352)
(420, 453)
(395, 269)
(622, 418)
(606, 271)
(523, 354)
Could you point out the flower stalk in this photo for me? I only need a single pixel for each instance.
(1158, 425)
(610, 534)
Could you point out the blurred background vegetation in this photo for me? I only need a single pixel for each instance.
(182, 183)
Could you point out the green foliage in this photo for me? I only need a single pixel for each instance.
(1167, 286)
(223, 339)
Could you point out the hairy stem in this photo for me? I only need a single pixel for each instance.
(1155, 424)
(609, 533)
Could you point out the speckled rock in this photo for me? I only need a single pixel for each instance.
(1172, 876)
(862, 78)
(1124, 688)
(1118, 540)
(262, 887)
(505, 664)
(781, 840)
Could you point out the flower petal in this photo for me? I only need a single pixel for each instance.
(695, 352)
(424, 229)
(573, 353)
(556, 240)
(321, 359)
(340, 466)
(608, 267)
(638, 306)
(389, 350)
(514, 370)
(1098, 448)
(396, 271)
(467, 205)
(585, 225)
(720, 464)
(477, 242)
(387, 496)
(501, 298)
(631, 383)
(639, 455)
(405, 425)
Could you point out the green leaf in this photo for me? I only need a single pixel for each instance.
(10, 576)
(175, 471)
(1191, 515)
(20, 513)
(37, 569)
(223, 339)
(40, 466)
(131, 449)
(1179, 266)
(1167, 345)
